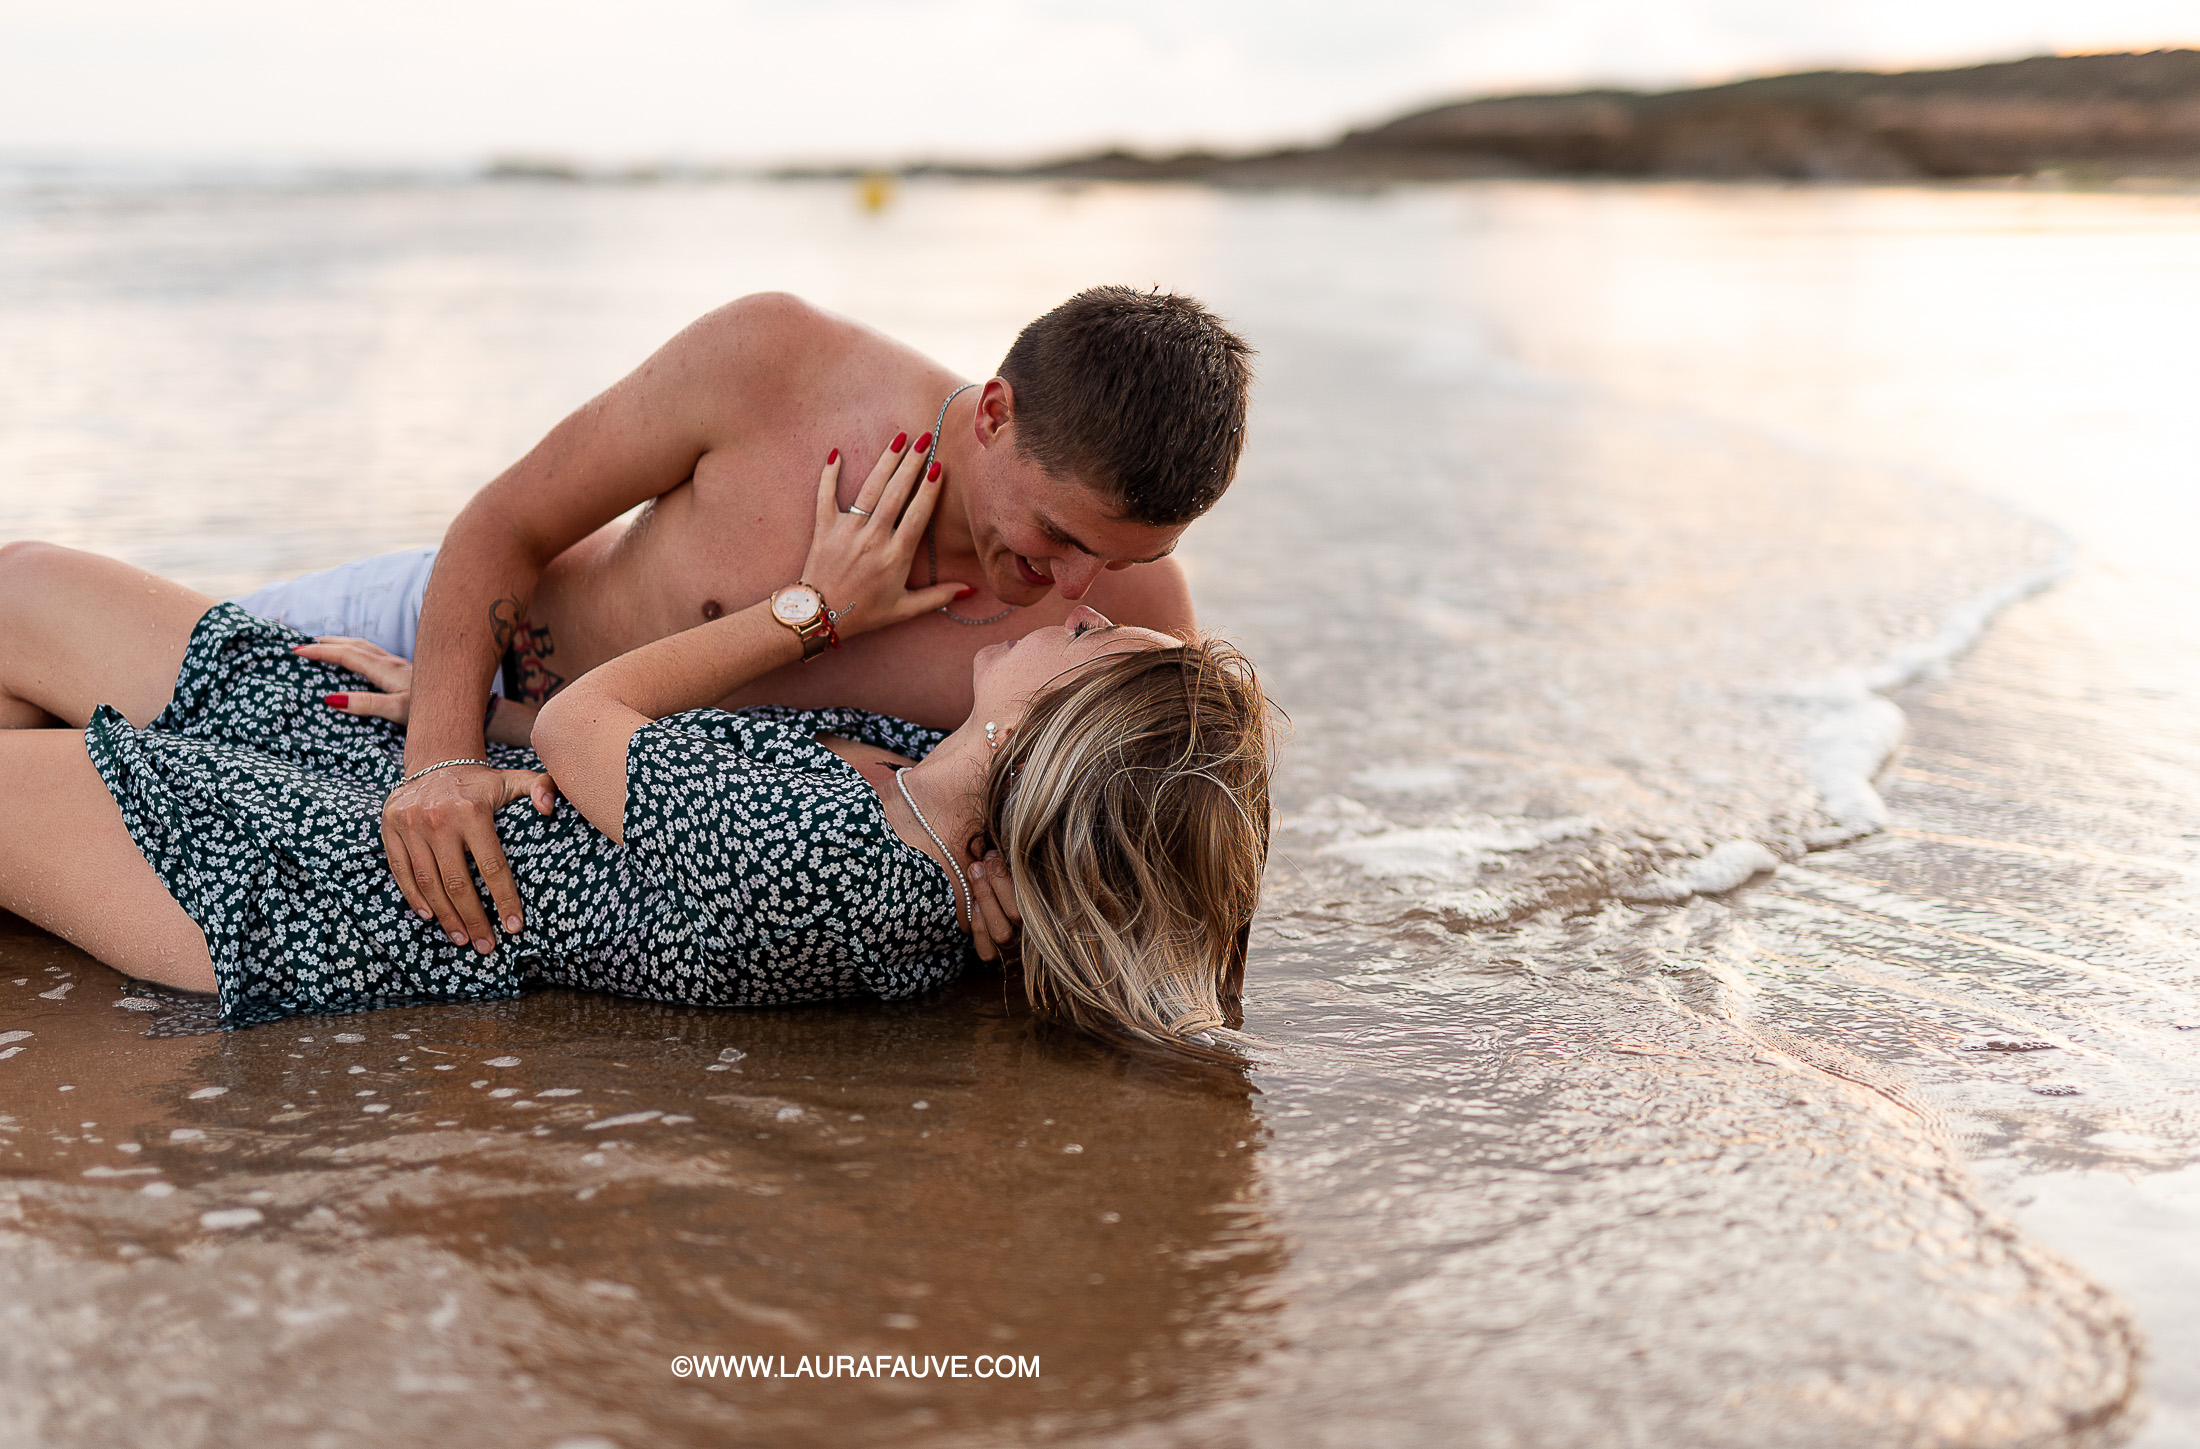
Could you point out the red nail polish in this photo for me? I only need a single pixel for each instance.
(932, 474)
(924, 441)
(832, 457)
(966, 593)
(336, 701)
(899, 439)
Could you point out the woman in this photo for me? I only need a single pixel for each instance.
(1117, 779)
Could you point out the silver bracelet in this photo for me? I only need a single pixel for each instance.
(445, 765)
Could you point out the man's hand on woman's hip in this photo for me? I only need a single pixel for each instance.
(440, 830)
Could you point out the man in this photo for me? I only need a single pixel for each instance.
(1116, 420)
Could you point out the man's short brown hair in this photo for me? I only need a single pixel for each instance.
(1141, 394)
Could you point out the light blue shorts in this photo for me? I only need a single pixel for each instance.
(377, 599)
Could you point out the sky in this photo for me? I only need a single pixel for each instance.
(436, 81)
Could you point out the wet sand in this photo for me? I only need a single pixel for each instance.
(1565, 1137)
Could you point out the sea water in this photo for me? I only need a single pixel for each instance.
(1727, 962)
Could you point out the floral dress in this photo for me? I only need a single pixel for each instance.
(758, 866)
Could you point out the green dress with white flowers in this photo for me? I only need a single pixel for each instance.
(758, 867)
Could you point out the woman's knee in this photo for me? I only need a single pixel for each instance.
(27, 568)
(26, 580)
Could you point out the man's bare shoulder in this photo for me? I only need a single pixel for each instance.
(752, 356)
(770, 332)
(1153, 595)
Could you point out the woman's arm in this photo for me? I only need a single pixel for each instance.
(582, 733)
(859, 564)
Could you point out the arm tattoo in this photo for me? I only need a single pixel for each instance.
(504, 621)
(528, 662)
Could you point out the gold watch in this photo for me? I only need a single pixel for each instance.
(802, 609)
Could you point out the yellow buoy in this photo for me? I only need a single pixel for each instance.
(875, 191)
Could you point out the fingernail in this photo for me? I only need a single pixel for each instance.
(924, 440)
(336, 701)
(511, 925)
(456, 938)
(484, 945)
(977, 870)
(899, 439)
(424, 915)
(967, 591)
(832, 457)
(932, 474)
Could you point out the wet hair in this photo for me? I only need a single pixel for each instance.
(1138, 394)
(1131, 808)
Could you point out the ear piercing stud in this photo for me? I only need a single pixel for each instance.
(992, 740)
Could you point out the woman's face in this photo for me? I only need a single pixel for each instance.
(1005, 676)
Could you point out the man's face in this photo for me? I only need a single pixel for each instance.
(1035, 532)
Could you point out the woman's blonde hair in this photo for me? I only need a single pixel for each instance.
(1131, 808)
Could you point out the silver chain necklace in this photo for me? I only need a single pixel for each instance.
(931, 545)
(970, 909)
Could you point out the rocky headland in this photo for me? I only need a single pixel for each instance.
(2081, 117)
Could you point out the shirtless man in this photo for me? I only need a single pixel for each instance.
(1115, 421)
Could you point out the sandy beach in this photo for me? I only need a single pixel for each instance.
(1728, 957)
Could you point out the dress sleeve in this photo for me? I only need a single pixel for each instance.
(781, 856)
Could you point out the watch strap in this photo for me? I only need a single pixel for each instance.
(815, 633)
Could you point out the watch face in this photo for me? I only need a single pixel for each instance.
(795, 605)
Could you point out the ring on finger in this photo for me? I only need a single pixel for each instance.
(863, 512)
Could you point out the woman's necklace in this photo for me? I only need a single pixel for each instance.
(931, 546)
(970, 910)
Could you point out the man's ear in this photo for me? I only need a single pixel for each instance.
(996, 410)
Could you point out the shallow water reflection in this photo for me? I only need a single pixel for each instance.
(559, 1195)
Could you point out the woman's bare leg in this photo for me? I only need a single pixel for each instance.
(78, 630)
(67, 864)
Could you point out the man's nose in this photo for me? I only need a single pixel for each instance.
(1073, 576)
